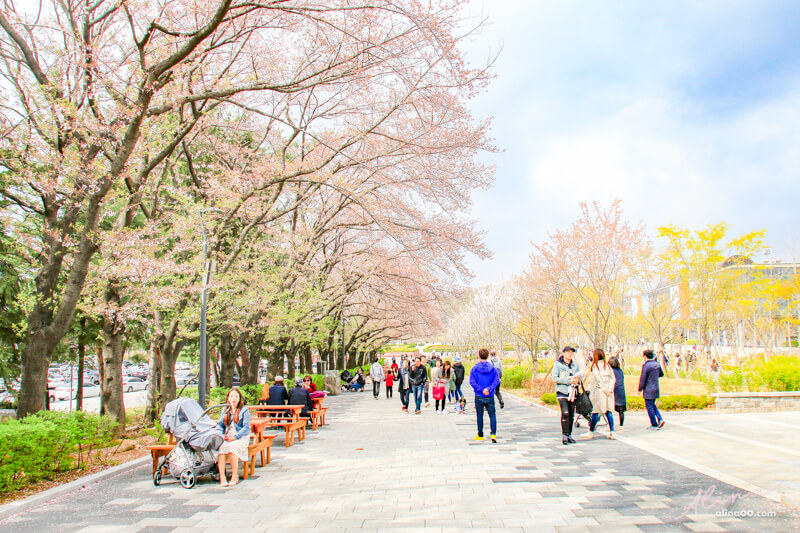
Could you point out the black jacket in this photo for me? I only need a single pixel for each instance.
(459, 371)
(277, 395)
(419, 375)
(300, 396)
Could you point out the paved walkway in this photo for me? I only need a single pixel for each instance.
(375, 468)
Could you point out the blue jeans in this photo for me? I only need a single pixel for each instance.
(488, 403)
(652, 412)
(357, 386)
(418, 391)
(596, 417)
(459, 394)
(405, 396)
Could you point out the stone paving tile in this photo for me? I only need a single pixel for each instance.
(374, 468)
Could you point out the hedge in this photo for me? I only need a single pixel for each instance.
(667, 403)
(49, 442)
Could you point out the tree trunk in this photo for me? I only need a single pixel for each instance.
(309, 364)
(169, 355)
(227, 360)
(111, 384)
(81, 356)
(33, 384)
(152, 409)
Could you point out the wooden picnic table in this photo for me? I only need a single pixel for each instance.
(274, 416)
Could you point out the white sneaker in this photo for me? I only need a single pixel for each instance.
(427, 404)
(588, 435)
(611, 435)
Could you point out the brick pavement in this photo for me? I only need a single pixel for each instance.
(374, 468)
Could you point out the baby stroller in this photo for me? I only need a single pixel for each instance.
(347, 380)
(197, 437)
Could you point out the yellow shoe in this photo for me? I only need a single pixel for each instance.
(493, 437)
(478, 437)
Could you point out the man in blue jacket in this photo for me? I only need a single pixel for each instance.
(648, 386)
(485, 379)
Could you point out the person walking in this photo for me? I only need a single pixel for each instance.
(440, 378)
(427, 368)
(620, 401)
(451, 380)
(648, 386)
(566, 375)
(390, 377)
(601, 393)
(377, 375)
(484, 380)
(419, 379)
(459, 371)
(404, 384)
(498, 364)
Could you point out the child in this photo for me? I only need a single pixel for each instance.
(461, 406)
(389, 382)
(619, 391)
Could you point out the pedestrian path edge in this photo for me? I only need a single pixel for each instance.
(15, 507)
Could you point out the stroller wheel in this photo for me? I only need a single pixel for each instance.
(157, 477)
(188, 479)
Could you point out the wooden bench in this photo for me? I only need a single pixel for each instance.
(258, 447)
(160, 450)
(291, 427)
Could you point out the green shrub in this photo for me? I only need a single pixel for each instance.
(48, 442)
(780, 373)
(667, 403)
(514, 377)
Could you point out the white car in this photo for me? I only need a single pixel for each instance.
(132, 383)
(70, 392)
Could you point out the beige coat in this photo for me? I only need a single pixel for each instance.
(601, 388)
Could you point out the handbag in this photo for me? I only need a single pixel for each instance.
(583, 404)
(438, 391)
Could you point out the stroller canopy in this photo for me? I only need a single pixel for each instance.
(186, 420)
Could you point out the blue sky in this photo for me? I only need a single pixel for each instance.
(687, 111)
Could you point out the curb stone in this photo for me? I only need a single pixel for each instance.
(19, 506)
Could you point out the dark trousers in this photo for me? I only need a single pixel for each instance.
(499, 396)
(388, 391)
(596, 418)
(376, 388)
(418, 395)
(459, 394)
(405, 396)
(488, 404)
(567, 415)
(427, 398)
(652, 412)
(443, 401)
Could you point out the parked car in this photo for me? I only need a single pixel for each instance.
(132, 383)
(180, 381)
(71, 391)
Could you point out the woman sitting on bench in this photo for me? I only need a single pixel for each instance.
(235, 424)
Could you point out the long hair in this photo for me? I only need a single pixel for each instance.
(597, 356)
(238, 407)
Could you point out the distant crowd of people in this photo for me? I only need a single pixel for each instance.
(599, 389)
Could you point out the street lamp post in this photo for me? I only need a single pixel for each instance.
(202, 375)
